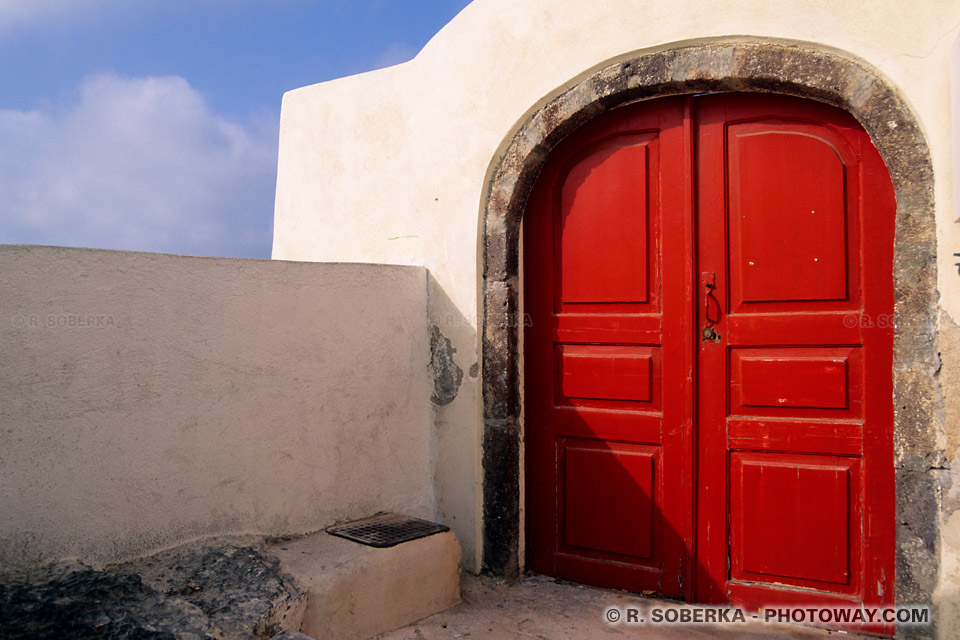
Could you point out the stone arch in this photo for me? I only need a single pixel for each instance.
(791, 68)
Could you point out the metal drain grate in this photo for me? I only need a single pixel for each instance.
(386, 530)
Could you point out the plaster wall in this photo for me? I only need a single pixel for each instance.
(950, 381)
(394, 165)
(149, 399)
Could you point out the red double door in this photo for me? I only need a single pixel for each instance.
(708, 363)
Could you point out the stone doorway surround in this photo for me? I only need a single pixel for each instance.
(744, 65)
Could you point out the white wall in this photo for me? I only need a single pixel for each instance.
(148, 399)
(391, 166)
(955, 117)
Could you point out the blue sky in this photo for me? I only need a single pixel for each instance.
(152, 126)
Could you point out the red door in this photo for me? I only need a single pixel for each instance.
(708, 367)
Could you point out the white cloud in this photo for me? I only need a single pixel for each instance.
(141, 164)
(396, 53)
(19, 12)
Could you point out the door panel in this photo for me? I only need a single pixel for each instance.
(795, 412)
(807, 382)
(604, 216)
(786, 180)
(608, 484)
(774, 499)
(613, 373)
(708, 373)
(596, 479)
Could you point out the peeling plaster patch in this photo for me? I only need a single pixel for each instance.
(447, 376)
(474, 369)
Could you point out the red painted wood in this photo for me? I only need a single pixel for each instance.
(786, 180)
(795, 435)
(580, 327)
(752, 468)
(802, 382)
(771, 381)
(605, 372)
(627, 425)
(594, 522)
(840, 327)
(607, 404)
(774, 500)
(795, 410)
(603, 223)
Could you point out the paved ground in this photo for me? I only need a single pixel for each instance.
(234, 589)
(544, 609)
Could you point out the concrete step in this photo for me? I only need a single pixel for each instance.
(355, 591)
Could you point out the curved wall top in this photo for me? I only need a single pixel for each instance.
(404, 151)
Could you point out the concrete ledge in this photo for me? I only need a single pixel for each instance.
(355, 591)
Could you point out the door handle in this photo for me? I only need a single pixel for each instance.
(709, 281)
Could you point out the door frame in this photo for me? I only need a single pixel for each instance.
(797, 69)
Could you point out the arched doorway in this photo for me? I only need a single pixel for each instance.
(708, 354)
(789, 68)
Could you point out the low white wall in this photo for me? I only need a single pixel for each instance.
(146, 399)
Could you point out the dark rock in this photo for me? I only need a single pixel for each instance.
(210, 590)
(94, 604)
(239, 588)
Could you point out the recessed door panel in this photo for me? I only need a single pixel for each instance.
(791, 519)
(808, 382)
(597, 479)
(788, 212)
(794, 382)
(603, 223)
(606, 372)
